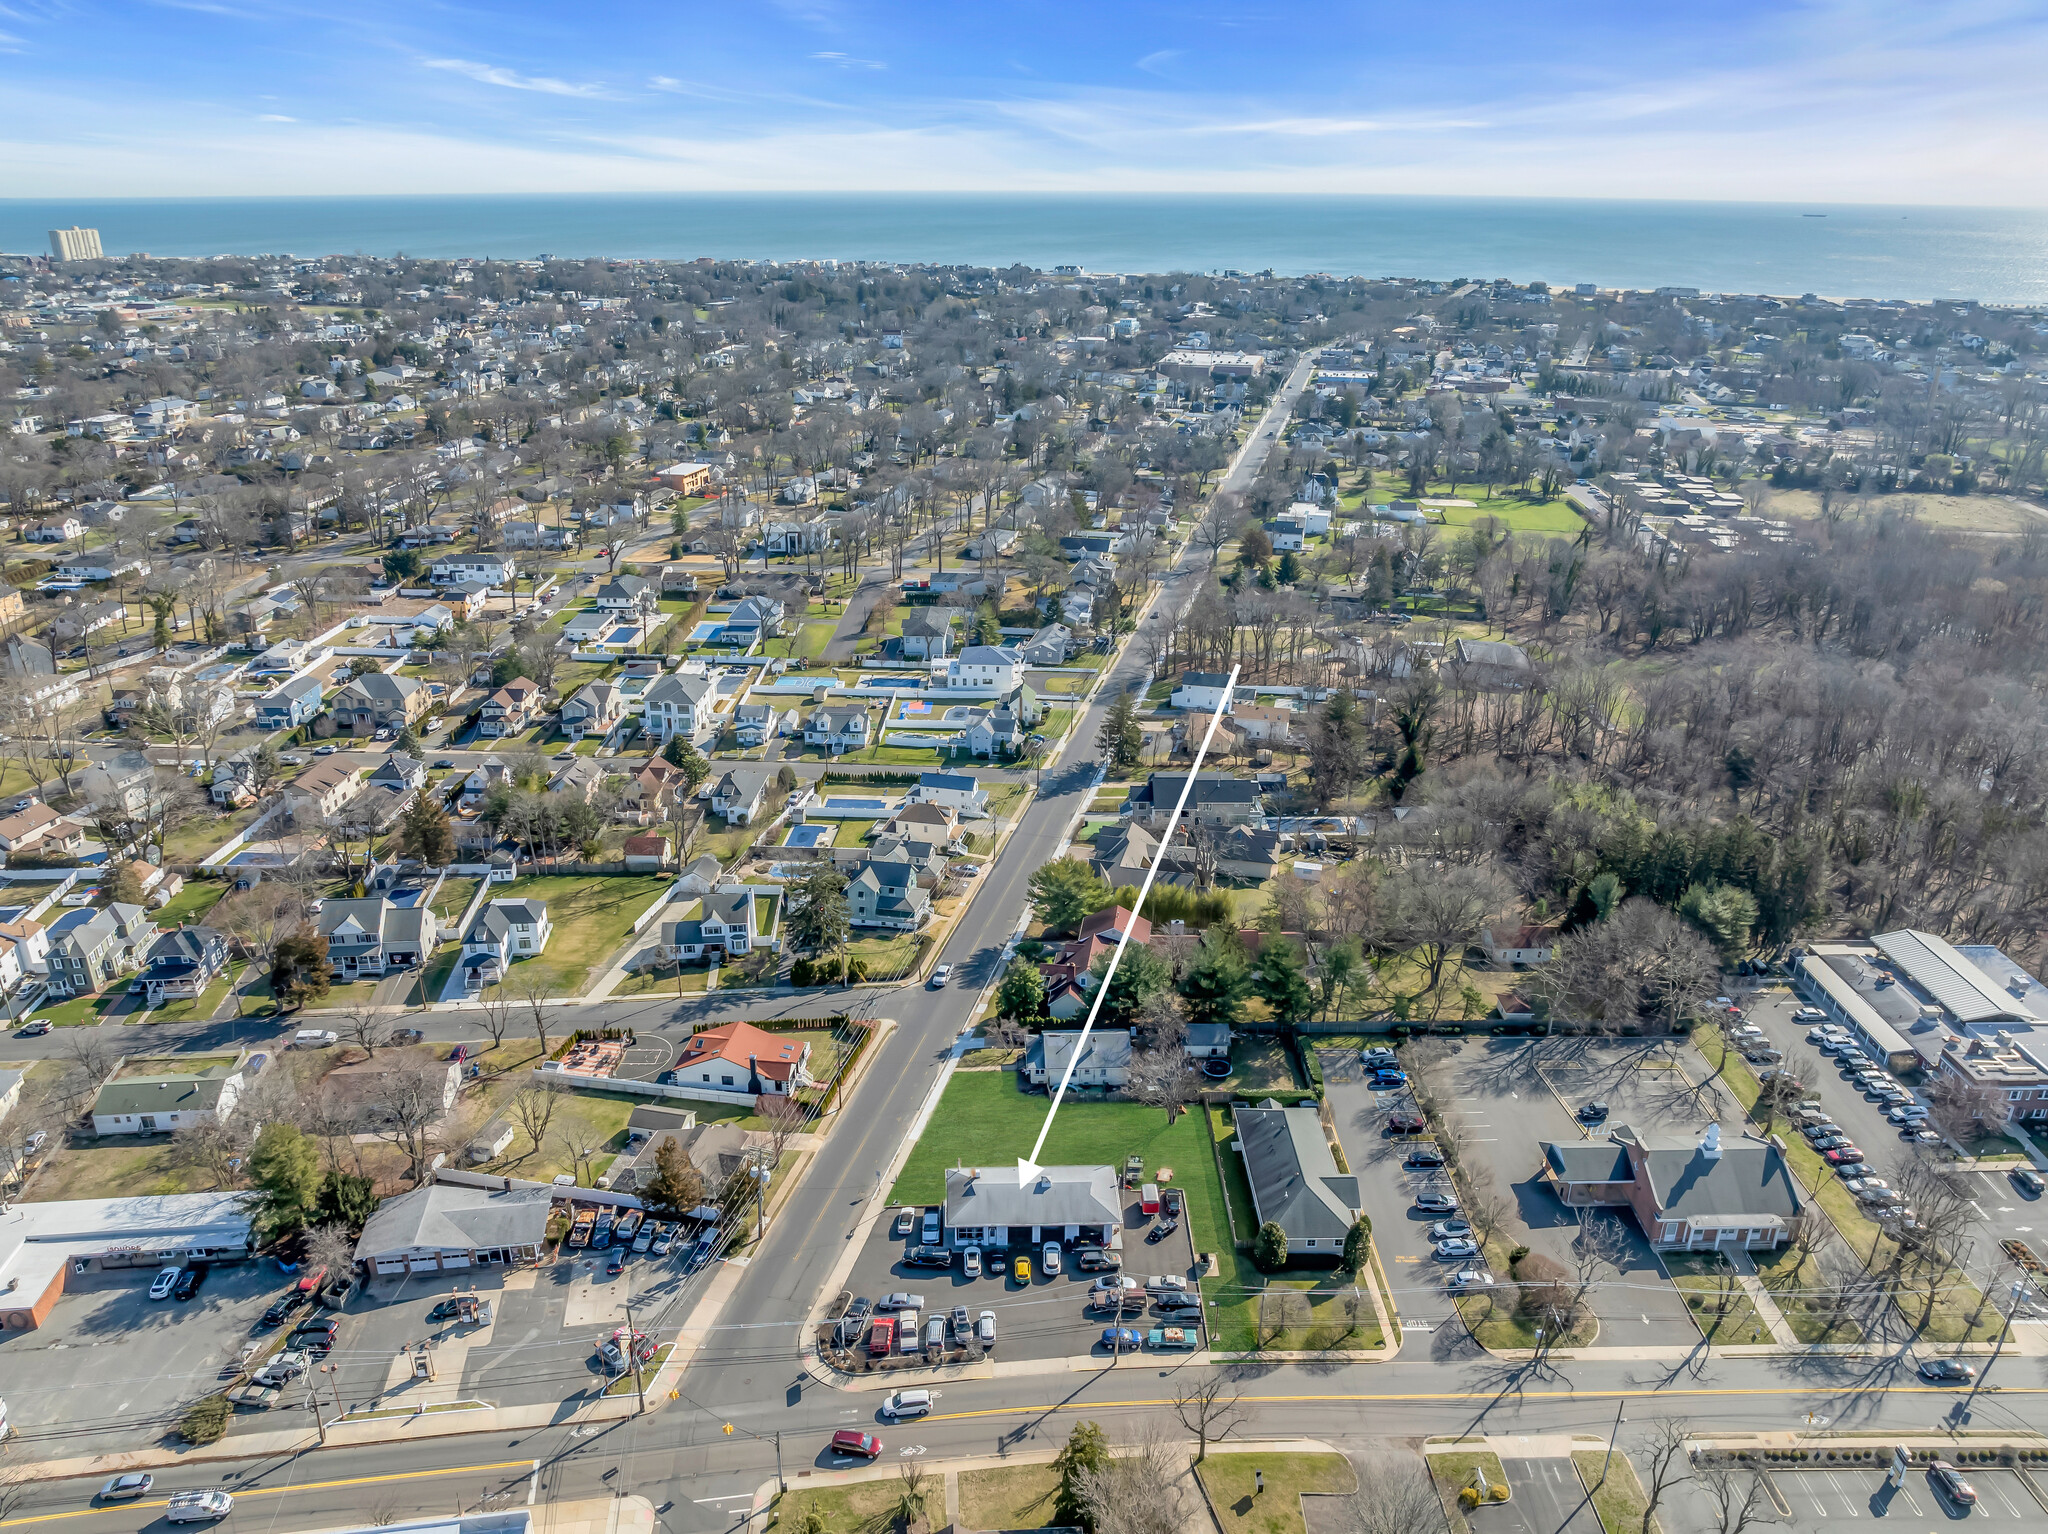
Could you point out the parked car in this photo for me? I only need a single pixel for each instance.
(1469, 1278)
(1593, 1113)
(2028, 1180)
(1424, 1156)
(929, 1257)
(166, 1281)
(1162, 1230)
(1093, 1259)
(1845, 1155)
(1437, 1203)
(126, 1488)
(970, 1262)
(1448, 1230)
(1923, 1137)
(1462, 1246)
(985, 1329)
(1406, 1124)
(900, 1300)
(1388, 1080)
(1122, 1339)
(861, 1445)
(960, 1323)
(290, 1301)
(1947, 1369)
(907, 1403)
(283, 1368)
(189, 1281)
(1828, 1142)
(905, 1219)
(34, 1028)
(315, 1335)
(1049, 1254)
(1947, 1480)
(616, 1263)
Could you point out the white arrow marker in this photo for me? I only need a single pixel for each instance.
(1027, 1166)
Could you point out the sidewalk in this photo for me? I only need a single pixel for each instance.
(1766, 1307)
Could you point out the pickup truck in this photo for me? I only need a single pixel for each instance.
(1170, 1339)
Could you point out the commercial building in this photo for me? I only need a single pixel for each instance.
(41, 1243)
(445, 1227)
(75, 244)
(1076, 1204)
(1686, 1195)
(1295, 1180)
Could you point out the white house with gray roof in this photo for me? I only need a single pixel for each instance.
(985, 1207)
(1294, 1178)
(444, 1227)
(503, 931)
(678, 705)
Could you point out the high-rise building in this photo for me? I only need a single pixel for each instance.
(75, 244)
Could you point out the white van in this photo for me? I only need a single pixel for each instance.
(907, 1403)
(198, 1507)
(315, 1038)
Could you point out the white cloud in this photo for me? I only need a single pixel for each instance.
(274, 117)
(512, 80)
(1155, 63)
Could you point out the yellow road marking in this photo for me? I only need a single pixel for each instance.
(1463, 1395)
(278, 1491)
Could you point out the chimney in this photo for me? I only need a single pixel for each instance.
(1710, 1143)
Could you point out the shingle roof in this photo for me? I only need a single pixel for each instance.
(1294, 1178)
(1059, 1195)
(450, 1218)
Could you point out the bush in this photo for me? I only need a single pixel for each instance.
(1544, 1288)
(1497, 1492)
(1468, 1497)
(856, 970)
(1269, 1250)
(1516, 1254)
(803, 972)
(205, 1421)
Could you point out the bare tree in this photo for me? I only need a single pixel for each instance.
(360, 1026)
(533, 1110)
(410, 1099)
(1668, 1462)
(495, 1006)
(329, 1246)
(1163, 1078)
(1395, 1496)
(1141, 1491)
(1741, 1501)
(535, 990)
(1209, 1409)
(218, 1146)
(1218, 525)
(582, 1145)
(784, 1118)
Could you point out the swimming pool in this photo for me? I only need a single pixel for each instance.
(811, 836)
(893, 681)
(836, 803)
(704, 631)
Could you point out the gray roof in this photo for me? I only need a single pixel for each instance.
(1059, 1195)
(1204, 679)
(161, 1094)
(988, 655)
(742, 783)
(1964, 991)
(446, 1217)
(380, 685)
(1294, 1178)
(1588, 1161)
(1163, 789)
(1749, 1178)
(1109, 1049)
(669, 688)
(498, 918)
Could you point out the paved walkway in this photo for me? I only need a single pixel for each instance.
(1766, 1307)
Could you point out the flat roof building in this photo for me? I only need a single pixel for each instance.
(40, 1243)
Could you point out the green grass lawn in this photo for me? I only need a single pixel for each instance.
(1555, 518)
(600, 1115)
(1718, 1305)
(1009, 1497)
(1242, 1509)
(117, 1167)
(1453, 1472)
(861, 1508)
(112, 1002)
(199, 837)
(592, 917)
(888, 957)
(1619, 1501)
(1794, 1282)
(190, 904)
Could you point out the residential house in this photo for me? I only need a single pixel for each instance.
(647, 794)
(322, 789)
(124, 781)
(1262, 724)
(726, 923)
(472, 597)
(1294, 1178)
(840, 728)
(536, 535)
(510, 709)
(925, 855)
(29, 943)
(994, 667)
(678, 704)
(377, 700)
(956, 791)
(1519, 943)
(180, 965)
(1686, 1194)
(398, 774)
(446, 1227)
(757, 617)
(745, 1060)
(1490, 663)
(502, 931)
(1120, 855)
(494, 570)
(92, 618)
(928, 633)
(56, 530)
(887, 895)
(1249, 852)
(1217, 799)
(1203, 692)
(927, 822)
(623, 594)
(40, 829)
(1104, 1062)
(596, 707)
(148, 1105)
(1077, 1205)
(1049, 646)
(582, 777)
(84, 954)
(755, 724)
(373, 936)
(362, 1094)
(291, 705)
(740, 794)
(484, 776)
(704, 875)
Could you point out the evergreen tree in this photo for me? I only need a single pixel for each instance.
(346, 1199)
(299, 971)
(1215, 983)
(1065, 890)
(689, 761)
(677, 1187)
(817, 910)
(1140, 975)
(424, 831)
(1269, 1249)
(1120, 740)
(1020, 998)
(1289, 571)
(1357, 1243)
(1085, 1454)
(284, 1167)
(1278, 980)
(987, 628)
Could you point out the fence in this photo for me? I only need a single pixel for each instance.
(243, 837)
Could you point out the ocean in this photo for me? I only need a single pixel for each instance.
(1994, 255)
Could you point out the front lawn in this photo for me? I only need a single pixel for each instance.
(119, 1166)
(1796, 1283)
(592, 916)
(1619, 1500)
(1244, 1509)
(190, 904)
(1719, 1305)
(1008, 1497)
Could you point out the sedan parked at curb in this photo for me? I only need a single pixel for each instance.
(1947, 1369)
(166, 1281)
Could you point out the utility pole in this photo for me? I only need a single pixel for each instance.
(1610, 1440)
(313, 1400)
(633, 1354)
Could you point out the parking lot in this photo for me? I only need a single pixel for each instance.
(111, 1367)
(1502, 1098)
(1548, 1498)
(1844, 1499)
(1048, 1318)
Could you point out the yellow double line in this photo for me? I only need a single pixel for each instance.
(278, 1491)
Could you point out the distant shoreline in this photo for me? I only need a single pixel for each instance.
(1784, 249)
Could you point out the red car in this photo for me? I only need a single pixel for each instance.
(1844, 1155)
(848, 1441)
(1405, 1124)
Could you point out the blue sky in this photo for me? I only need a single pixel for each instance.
(1841, 100)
